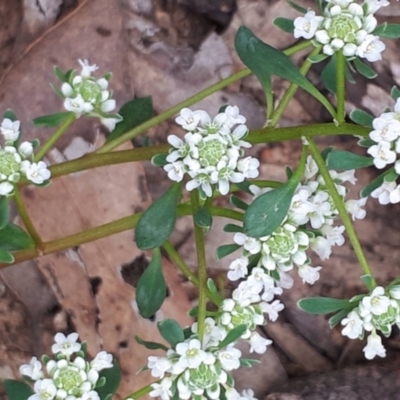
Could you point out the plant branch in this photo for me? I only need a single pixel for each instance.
(340, 87)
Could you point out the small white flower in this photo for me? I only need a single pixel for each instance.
(323, 37)
(374, 347)
(200, 179)
(162, 389)
(320, 209)
(25, 149)
(158, 366)
(387, 129)
(249, 167)
(371, 48)
(252, 245)
(394, 195)
(6, 188)
(377, 303)
(382, 154)
(353, 207)
(229, 358)
(213, 334)
(382, 193)
(66, 345)
(375, 5)
(309, 274)
(102, 361)
(188, 119)
(44, 390)
(176, 171)
(77, 105)
(33, 370)
(110, 123)
(238, 269)
(248, 394)
(35, 172)
(272, 309)
(10, 129)
(306, 26)
(322, 247)
(311, 168)
(86, 68)
(191, 355)
(233, 117)
(92, 395)
(258, 343)
(353, 325)
(395, 292)
(108, 105)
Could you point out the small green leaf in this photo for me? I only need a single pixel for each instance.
(325, 152)
(333, 321)
(159, 160)
(17, 390)
(296, 7)
(317, 58)
(9, 115)
(225, 249)
(366, 143)
(285, 24)
(345, 160)
(249, 362)
(3, 211)
(101, 382)
(150, 345)
(391, 175)
(171, 331)
(321, 305)
(223, 108)
(238, 203)
(213, 289)
(113, 377)
(59, 74)
(157, 222)
(245, 186)
(328, 75)
(233, 335)
(13, 238)
(395, 93)
(52, 120)
(134, 113)
(232, 228)
(362, 118)
(202, 218)
(6, 257)
(368, 189)
(363, 69)
(389, 31)
(193, 312)
(368, 281)
(151, 289)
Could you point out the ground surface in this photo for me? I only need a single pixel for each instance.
(171, 50)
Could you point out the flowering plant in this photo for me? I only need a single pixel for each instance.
(283, 227)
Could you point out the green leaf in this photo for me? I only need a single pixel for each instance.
(151, 289)
(13, 238)
(249, 362)
(113, 377)
(328, 75)
(17, 390)
(150, 345)
(232, 228)
(389, 31)
(238, 203)
(6, 257)
(10, 115)
(159, 160)
(157, 222)
(333, 321)
(317, 58)
(366, 143)
(391, 175)
(296, 7)
(233, 335)
(3, 211)
(395, 93)
(362, 118)
(51, 120)
(345, 160)
(202, 218)
(245, 186)
(325, 152)
(60, 75)
(285, 24)
(225, 249)
(213, 289)
(368, 281)
(134, 113)
(268, 211)
(368, 189)
(171, 331)
(321, 305)
(264, 61)
(363, 69)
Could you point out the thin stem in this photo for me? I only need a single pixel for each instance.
(340, 87)
(276, 116)
(46, 146)
(188, 102)
(141, 392)
(180, 264)
(201, 266)
(337, 200)
(23, 213)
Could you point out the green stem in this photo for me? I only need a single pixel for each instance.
(201, 266)
(276, 116)
(337, 200)
(188, 102)
(23, 213)
(340, 87)
(180, 264)
(141, 392)
(53, 138)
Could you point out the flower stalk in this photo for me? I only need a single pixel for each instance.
(340, 87)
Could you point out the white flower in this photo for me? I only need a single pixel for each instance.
(375, 5)
(229, 358)
(249, 167)
(322, 247)
(158, 366)
(191, 355)
(233, 117)
(66, 345)
(6, 188)
(382, 154)
(238, 269)
(248, 394)
(387, 129)
(252, 245)
(394, 195)
(374, 347)
(300, 207)
(258, 343)
(176, 170)
(309, 274)
(10, 129)
(200, 179)
(77, 105)
(395, 292)
(371, 48)
(377, 303)
(102, 361)
(35, 172)
(92, 395)
(353, 325)
(212, 333)
(25, 149)
(86, 68)
(33, 370)
(162, 389)
(306, 26)
(44, 390)
(110, 123)
(272, 309)
(353, 207)
(188, 119)
(382, 193)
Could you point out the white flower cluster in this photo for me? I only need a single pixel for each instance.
(16, 160)
(386, 135)
(69, 376)
(85, 95)
(210, 152)
(378, 311)
(198, 370)
(346, 26)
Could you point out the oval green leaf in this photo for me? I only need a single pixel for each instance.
(377, 182)
(52, 119)
(112, 376)
(157, 222)
(13, 238)
(364, 70)
(225, 249)
(345, 160)
(171, 331)
(285, 24)
(3, 211)
(233, 335)
(321, 305)
(202, 218)
(17, 390)
(151, 345)
(395, 93)
(362, 118)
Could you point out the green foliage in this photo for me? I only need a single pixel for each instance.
(285, 24)
(171, 331)
(370, 187)
(395, 93)
(334, 320)
(159, 160)
(10, 115)
(225, 249)
(202, 218)
(362, 118)
(345, 160)
(151, 345)
(6, 257)
(52, 120)
(366, 143)
(213, 289)
(296, 7)
(363, 69)
(157, 222)
(112, 377)
(134, 113)
(151, 289)
(232, 228)
(13, 238)
(317, 58)
(389, 31)
(17, 390)
(368, 281)
(238, 203)
(328, 75)
(321, 305)
(233, 335)
(3, 211)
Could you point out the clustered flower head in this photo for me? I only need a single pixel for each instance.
(68, 376)
(385, 151)
(198, 370)
(16, 160)
(377, 311)
(346, 26)
(211, 151)
(85, 95)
